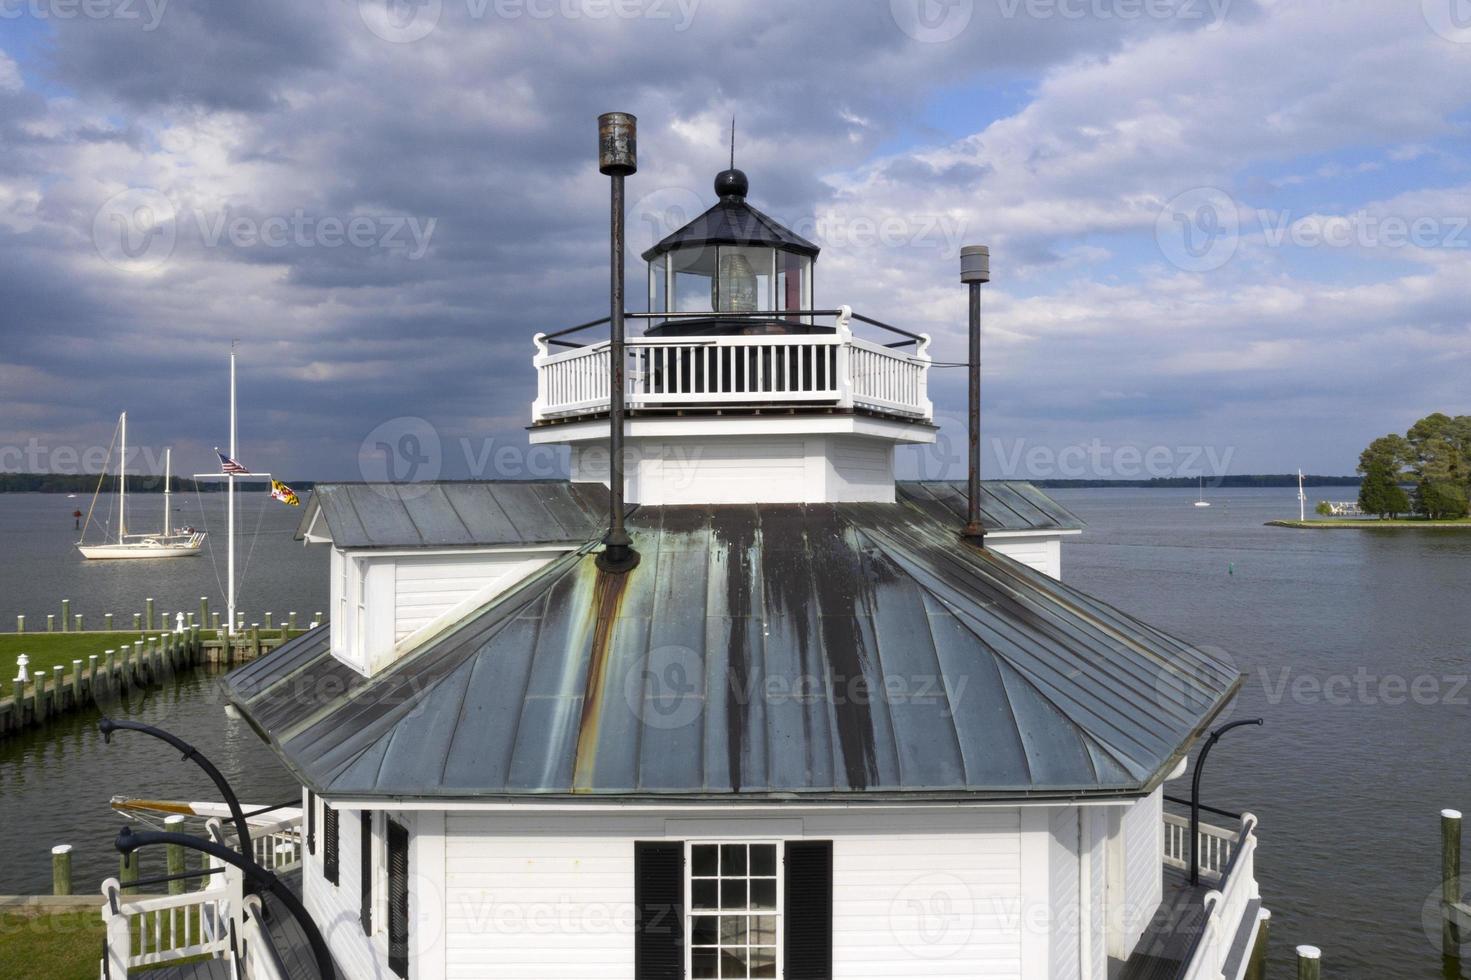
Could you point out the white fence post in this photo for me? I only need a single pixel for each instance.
(119, 935)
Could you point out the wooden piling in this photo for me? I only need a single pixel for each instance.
(203, 610)
(61, 869)
(38, 709)
(148, 613)
(18, 692)
(269, 621)
(1450, 880)
(175, 852)
(291, 620)
(92, 675)
(254, 641)
(58, 691)
(127, 872)
(214, 619)
(1309, 963)
(77, 682)
(51, 622)
(137, 622)
(79, 622)
(20, 623)
(107, 622)
(66, 615)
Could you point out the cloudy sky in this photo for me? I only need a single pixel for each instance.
(1233, 232)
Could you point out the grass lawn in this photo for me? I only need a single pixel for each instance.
(50, 945)
(48, 650)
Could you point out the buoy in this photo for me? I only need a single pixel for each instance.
(1231, 568)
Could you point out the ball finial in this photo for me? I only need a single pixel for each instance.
(731, 183)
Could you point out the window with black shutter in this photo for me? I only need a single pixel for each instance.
(398, 899)
(807, 918)
(365, 851)
(658, 897)
(734, 913)
(311, 822)
(329, 844)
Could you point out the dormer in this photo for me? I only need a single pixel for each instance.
(412, 560)
(739, 390)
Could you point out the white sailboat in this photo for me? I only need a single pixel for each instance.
(1302, 499)
(164, 544)
(1200, 500)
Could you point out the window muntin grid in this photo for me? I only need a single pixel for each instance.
(734, 907)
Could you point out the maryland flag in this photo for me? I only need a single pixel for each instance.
(285, 494)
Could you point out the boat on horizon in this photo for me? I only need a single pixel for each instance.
(1200, 499)
(164, 544)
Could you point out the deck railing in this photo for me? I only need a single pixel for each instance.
(1227, 906)
(836, 370)
(1217, 845)
(148, 930)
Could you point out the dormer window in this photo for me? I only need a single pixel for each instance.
(731, 260)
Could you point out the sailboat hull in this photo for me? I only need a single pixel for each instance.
(141, 549)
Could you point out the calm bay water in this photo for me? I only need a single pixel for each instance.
(1356, 646)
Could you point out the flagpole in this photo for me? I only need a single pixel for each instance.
(230, 505)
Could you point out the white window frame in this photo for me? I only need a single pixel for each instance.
(689, 905)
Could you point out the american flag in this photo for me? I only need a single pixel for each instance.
(230, 467)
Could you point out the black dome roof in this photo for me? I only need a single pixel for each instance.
(734, 222)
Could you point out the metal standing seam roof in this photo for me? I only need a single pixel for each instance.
(772, 651)
(457, 513)
(464, 514)
(1006, 505)
(731, 221)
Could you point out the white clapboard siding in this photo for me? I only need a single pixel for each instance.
(1143, 829)
(1063, 879)
(335, 908)
(861, 470)
(1096, 823)
(1036, 551)
(928, 905)
(535, 907)
(426, 588)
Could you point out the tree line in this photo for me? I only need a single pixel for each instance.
(1433, 458)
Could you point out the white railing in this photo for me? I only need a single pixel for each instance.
(1226, 910)
(680, 372)
(147, 930)
(1216, 846)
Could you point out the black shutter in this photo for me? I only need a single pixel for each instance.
(808, 910)
(398, 899)
(311, 822)
(658, 900)
(366, 853)
(329, 843)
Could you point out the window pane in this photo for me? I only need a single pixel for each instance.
(763, 962)
(763, 859)
(704, 858)
(733, 894)
(763, 893)
(732, 859)
(745, 279)
(703, 894)
(732, 930)
(732, 963)
(694, 280)
(703, 963)
(656, 284)
(763, 930)
(705, 931)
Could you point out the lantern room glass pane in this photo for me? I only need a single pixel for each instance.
(745, 279)
(794, 282)
(659, 284)
(693, 272)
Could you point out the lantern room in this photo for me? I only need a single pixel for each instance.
(730, 263)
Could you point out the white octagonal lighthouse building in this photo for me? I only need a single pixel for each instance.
(804, 728)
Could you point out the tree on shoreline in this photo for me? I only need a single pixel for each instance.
(1434, 455)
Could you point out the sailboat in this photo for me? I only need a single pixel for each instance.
(164, 544)
(1302, 498)
(1200, 500)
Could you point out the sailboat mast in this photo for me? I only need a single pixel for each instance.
(230, 507)
(122, 479)
(1302, 499)
(168, 470)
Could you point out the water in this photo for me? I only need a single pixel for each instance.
(40, 566)
(1348, 778)
(1348, 781)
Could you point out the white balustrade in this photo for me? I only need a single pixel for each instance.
(1216, 846)
(680, 372)
(1227, 907)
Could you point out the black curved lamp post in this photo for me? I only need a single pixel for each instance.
(128, 842)
(109, 725)
(1205, 750)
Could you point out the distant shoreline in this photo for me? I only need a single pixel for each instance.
(1370, 524)
(1245, 481)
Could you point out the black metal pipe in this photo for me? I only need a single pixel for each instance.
(1205, 750)
(617, 158)
(973, 526)
(1205, 808)
(128, 842)
(884, 326)
(242, 830)
(165, 879)
(581, 326)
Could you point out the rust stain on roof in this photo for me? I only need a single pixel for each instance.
(608, 591)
